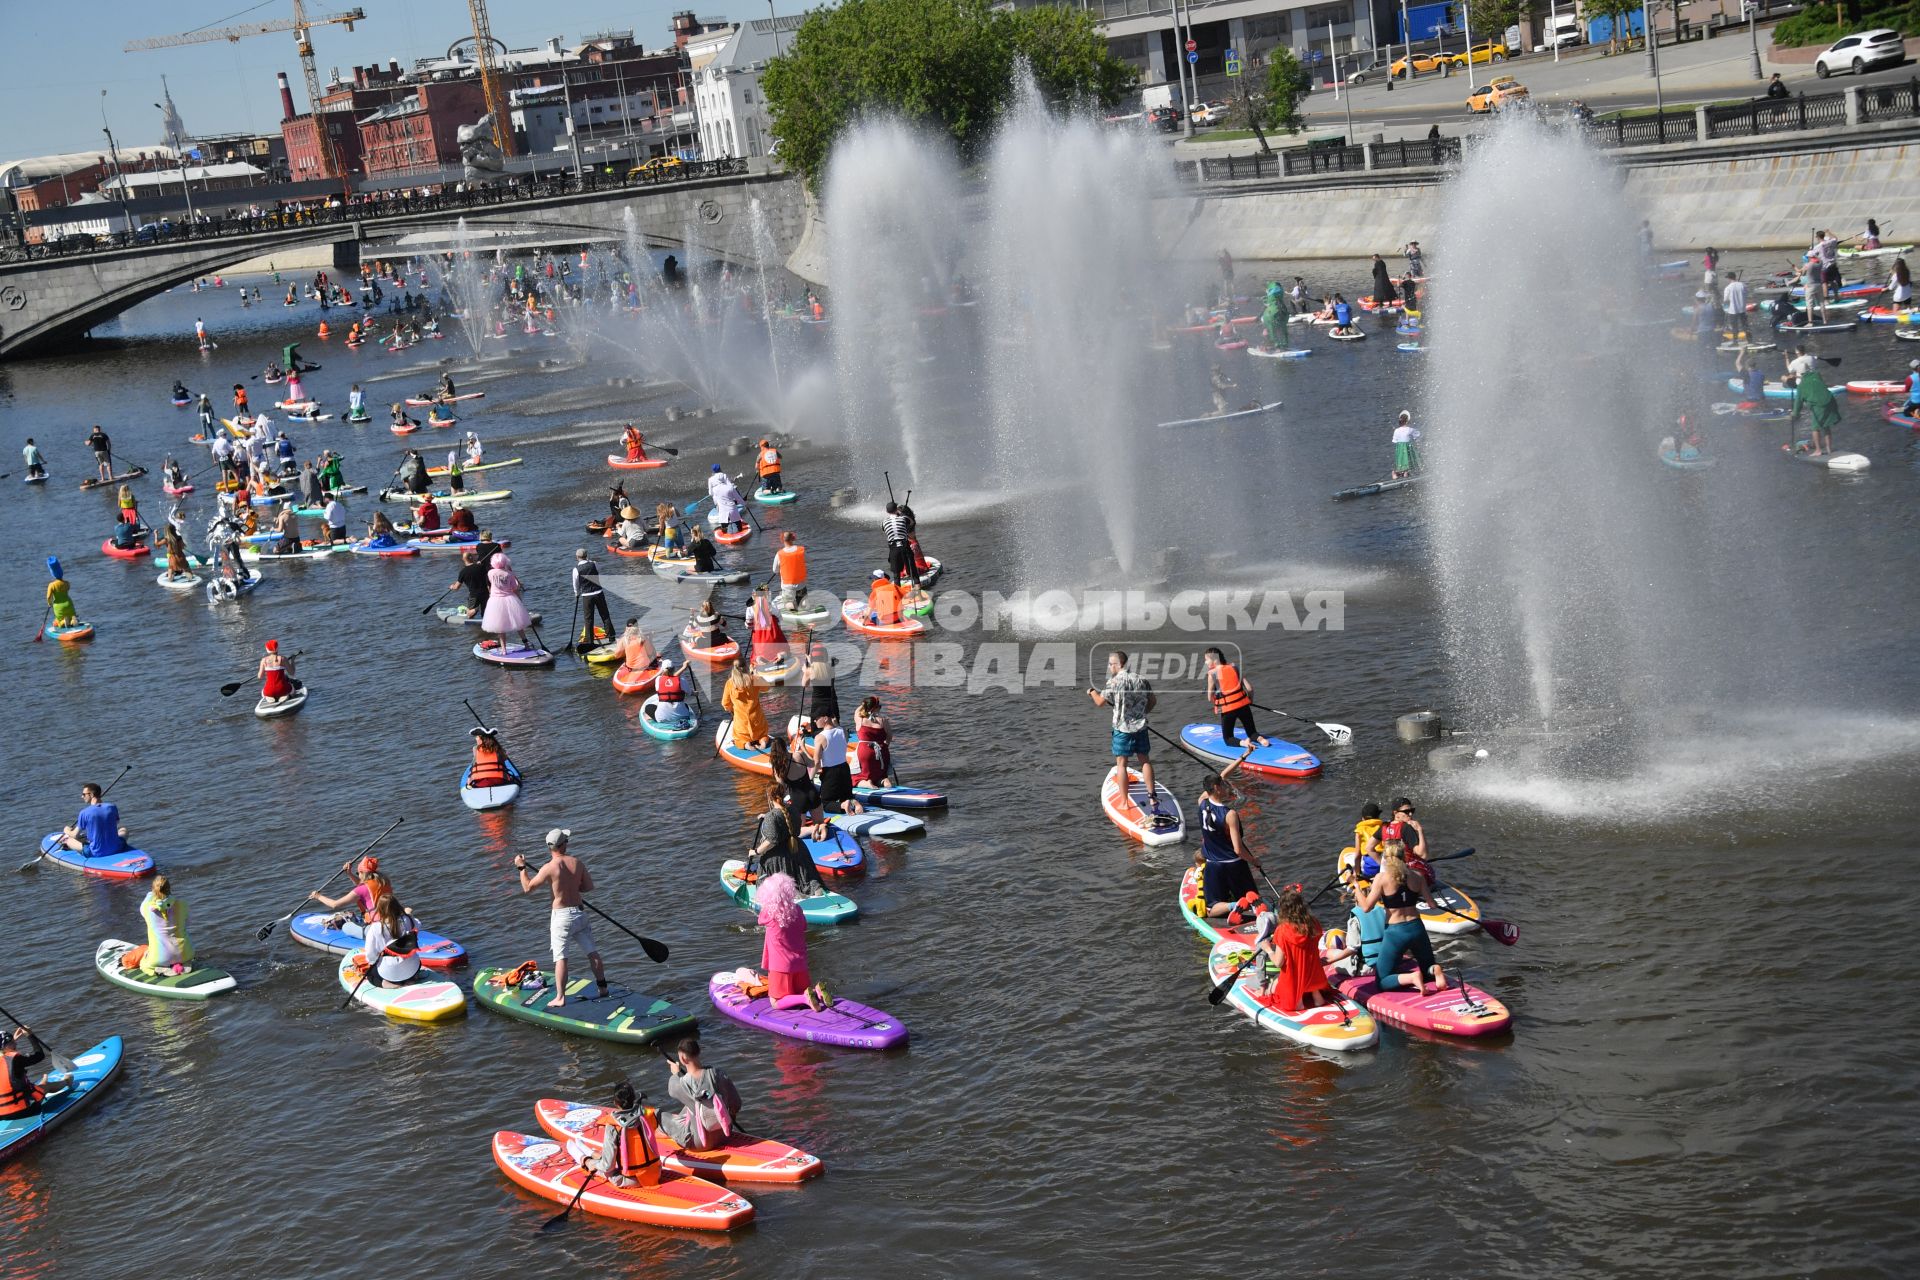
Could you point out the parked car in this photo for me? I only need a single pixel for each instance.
(1495, 94)
(1380, 68)
(1422, 63)
(658, 167)
(1491, 51)
(1862, 52)
(151, 231)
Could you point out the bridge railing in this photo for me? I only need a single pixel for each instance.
(366, 207)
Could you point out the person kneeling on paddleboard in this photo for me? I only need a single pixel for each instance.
(883, 600)
(627, 1156)
(1226, 864)
(1299, 977)
(1400, 890)
(706, 556)
(489, 760)
(712, 1101)
(872, 751)
(777, 850)
(1132, 700)
(275, 673)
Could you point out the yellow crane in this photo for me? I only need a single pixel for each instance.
(490, 76)
(301, 25)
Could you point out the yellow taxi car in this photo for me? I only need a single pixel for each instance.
(1492, 51)
(1422, 63)
(658, 167)
(1496, 93)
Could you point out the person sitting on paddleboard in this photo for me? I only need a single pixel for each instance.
(364, 897)
(629, 534)
(1299, 977)
(392, 945)
(1912, 405)
(873, 745)
(1406, 451)
(567, 879)
(777, 851)
(426, 516)
(627, 1155)
(275, 673)
(1132, 700)
(712, 1101)
(446, 387)
(669, 688)
(706, 556)
(180, 391)
(1226, 864)
(97, 830)
(380, 531)
(399, 417)
(460, 521)
(1402, 826)
(1400, 889)
(1232, 699)
(1366, 838)
(19, 1095)
(883, 600)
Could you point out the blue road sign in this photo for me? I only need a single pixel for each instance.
(1193, 57)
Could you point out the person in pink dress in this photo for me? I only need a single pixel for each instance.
(783, 954)
(506, 613)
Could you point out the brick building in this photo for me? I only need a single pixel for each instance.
(419, 132)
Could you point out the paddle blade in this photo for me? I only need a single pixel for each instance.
(1458, 853)
(1505, 932)
(656, 951)
(1338, 734)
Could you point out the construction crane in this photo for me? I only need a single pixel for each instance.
(300, 25)
(490, 76)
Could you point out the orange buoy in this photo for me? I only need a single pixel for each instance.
(323, 329)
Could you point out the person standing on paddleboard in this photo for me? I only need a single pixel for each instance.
(1226, 864)
(37, 465)
(768, 465)
(97, 831)
(1383, 290)
(568, 879)
(102, 446)
(1232, 700)
(1132, 700)
(592, 596)
(1406, 451)
(790, 562)
(473, 576)
(506, 613)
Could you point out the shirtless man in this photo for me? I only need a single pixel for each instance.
(568, 878)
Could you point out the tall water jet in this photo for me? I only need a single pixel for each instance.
(465, 281)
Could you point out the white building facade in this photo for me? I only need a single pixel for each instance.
(728, 100)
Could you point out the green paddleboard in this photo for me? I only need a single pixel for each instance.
(195, 984)
(622, 1015)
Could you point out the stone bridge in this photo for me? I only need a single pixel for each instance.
(47, 301)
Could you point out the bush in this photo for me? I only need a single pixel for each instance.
(1822, 24)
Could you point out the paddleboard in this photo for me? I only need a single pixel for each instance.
(1773, 390)
(128, 864)
(268, 708)
(70, 633)
(423, 999)
(125, 553)
(1833, 461)
(751, 759)
(1835, 327)
(720, 577)
(310, 928)
(774, 499)
(200, 983)
(1460, 1010)
(480, 799)
(712, 655)
(1882, 252)
(622, 1015)
(839, 854)
(185, 582)
(512, 655)
(1894, 414)
(737, 1157)
(469, 497)
(66, 1097)
(96, 482)
(1342, 1026)
(844, 1023)
(620, 463)
(651, 723)
(1252, 412)
(1377, 487)
(875, 821)
(1127, 809)
(397, 549)
(422, 402)
(1278, 760)
(1351, 335)
(458, 615)
(469, 469)
(1876, 387)
(1280, 353)
(821, 908)
(856, 614)
(628, 681)
(811, 616)
(1408, 346)
(544, 1167)
(899, 797)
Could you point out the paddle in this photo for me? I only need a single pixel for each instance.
(228, 690)
(267, 929)
(656, 951)
(35, 859)
(1220, 989)
(559, 1220)
(1181, 747)
(1338, 734)
(573, 637)
(40, 632)
(60, 1062)
(442, 596)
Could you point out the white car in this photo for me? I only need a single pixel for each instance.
(1209, 112)
(1862, 52)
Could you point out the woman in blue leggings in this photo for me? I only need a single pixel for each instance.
(1400, 889)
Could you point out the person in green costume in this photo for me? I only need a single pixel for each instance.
(1273, 315)
(1813, 397)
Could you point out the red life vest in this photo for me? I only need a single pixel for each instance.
(667, 687)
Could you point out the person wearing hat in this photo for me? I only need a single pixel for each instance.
(1406, 452)
(729, 508)
(567, 879)
(489, 759)
(768, 465)
(630, 534)
(275, 674)
(591, 595)
(59, 595)
(460, 521)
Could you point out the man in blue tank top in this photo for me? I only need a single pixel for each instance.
(1227, 866)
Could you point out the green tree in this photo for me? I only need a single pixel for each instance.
(1621, 11)
(1286, 85)
(944, 64)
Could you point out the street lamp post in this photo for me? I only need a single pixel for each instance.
(119, 174)
(1653, 58)
(566, 93)
(1188, 68)
(1753, 35)
(1553, 27)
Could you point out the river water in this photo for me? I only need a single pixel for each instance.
(1707, 1072)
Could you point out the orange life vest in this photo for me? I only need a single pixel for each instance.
(769, 461)
(884, 599)
(635, 1150)
(489, 767)
(1231, 691)
(13, 1102)
(793, 564)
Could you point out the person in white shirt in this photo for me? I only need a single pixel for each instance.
(1734, 300)
(831, 772)
(1406, 454)
(1801, 363)
(336, 518)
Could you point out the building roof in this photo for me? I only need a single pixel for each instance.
(407, 106)
(23, 173)
(757, 40)
(195, 173)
